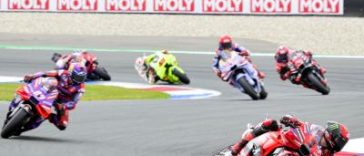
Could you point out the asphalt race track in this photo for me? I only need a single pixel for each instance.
(179, 127)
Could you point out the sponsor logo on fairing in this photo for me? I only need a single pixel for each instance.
(222, 6)
(78, 5)
(320, 6)
(174, 5)
(28, 4)
(271, 6)
(125, 5)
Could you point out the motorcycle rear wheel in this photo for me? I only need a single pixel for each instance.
(102, 73)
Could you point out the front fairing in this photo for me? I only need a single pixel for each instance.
(164, 64)
(230, 64)
(42, 96)
(263, 144)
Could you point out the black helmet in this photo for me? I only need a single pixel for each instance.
(336, 136)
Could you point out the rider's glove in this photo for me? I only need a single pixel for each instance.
(218, 73)
(28, 78)
(70, 105)
(289, 120)
(270, 125)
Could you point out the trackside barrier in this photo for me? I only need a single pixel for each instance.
(354, 8)
(265, 7)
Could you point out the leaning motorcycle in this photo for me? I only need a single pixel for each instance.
(239, 73)
(31, 106)
(165, 68)
(308, 74)
(94, 70)
(292, 141)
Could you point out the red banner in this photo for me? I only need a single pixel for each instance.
(174, 5)
(125, 5)
(78, 5)
(319, 6)
(222, 6)
(271, 6)
(28, 4)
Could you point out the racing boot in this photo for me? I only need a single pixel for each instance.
(60, 120)
(261, 75)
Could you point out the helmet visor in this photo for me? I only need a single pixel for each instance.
(339, 144)
(226, 45)
(282, 59)
(334, 140)
(78, 77)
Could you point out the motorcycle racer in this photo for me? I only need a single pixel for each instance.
(71, 88)
(83, 57)
(151, 61)
(285, 67)
(329, 140)
(226, 45)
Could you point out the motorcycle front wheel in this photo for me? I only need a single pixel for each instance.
(14, 124)
(248, 89)
(182, 77)
(320, 87)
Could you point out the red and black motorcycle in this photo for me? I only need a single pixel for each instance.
(94, 70)
(308, 73)
(292, 141)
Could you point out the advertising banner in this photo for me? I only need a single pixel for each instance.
(126, 5)
(37, 5)
(248, 7)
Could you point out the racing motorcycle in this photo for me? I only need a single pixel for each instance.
(308, 74)
(94, 70)
(31, 106)
(165, 67)
(292, 141)
(239, 72)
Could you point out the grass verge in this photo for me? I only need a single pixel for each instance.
(95, 93)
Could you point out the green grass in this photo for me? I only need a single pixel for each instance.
(94, 93)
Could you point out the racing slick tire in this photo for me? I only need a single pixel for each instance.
(320, 87)
(14, 123)
(102, 73)
(263, 93)
(182, 77)
(248, 89)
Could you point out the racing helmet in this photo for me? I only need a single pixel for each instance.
(226, 42)
(281, 55)
(78, 72)
(77, 56)
(164, 51)
(336, 136)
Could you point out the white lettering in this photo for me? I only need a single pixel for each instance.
(271, 5)
(28, 4)
(174, 5)
(125, 5)
(223, 5)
